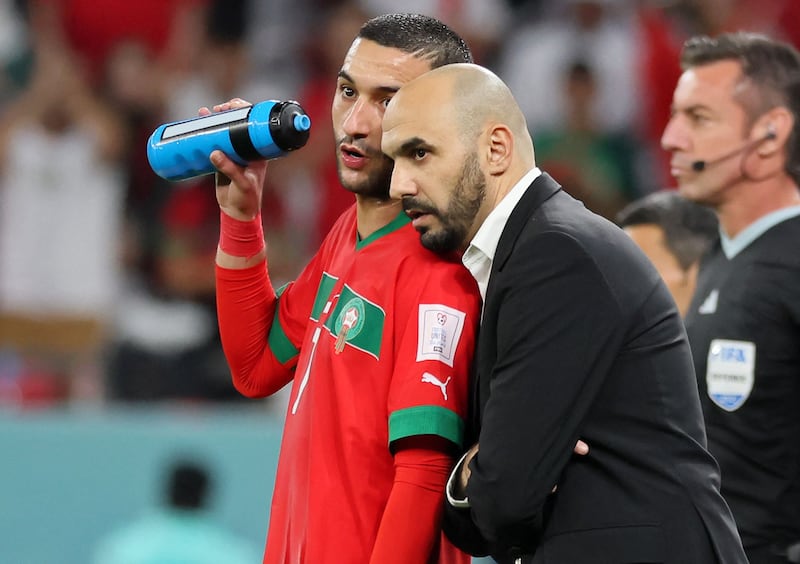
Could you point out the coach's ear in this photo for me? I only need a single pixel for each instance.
(499, 148)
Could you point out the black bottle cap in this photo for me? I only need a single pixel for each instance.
(289, 125)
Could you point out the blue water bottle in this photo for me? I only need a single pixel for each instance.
(267, 130)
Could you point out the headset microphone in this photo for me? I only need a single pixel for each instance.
(699, 166)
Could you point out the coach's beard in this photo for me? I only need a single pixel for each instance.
(457, 219)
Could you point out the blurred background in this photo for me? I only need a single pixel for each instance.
(110, 362)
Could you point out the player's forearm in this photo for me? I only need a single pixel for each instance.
(411, 522)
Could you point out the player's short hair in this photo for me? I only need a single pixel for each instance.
(689, 228)
(422, 36)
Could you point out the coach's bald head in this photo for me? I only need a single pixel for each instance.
(460, 143)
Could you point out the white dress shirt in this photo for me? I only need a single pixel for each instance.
(480, 253)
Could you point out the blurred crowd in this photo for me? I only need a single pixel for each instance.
(106, 270)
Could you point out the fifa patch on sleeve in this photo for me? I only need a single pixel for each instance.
(439, 331)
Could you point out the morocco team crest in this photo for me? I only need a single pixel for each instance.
(349, 323)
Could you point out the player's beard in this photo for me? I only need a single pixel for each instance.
(456, 220)
(374, 180)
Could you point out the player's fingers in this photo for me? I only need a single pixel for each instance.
(221, 180)
(239, 103)
(228, 169)
(232, 104)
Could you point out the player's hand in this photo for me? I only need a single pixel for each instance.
(463, 476)
(239, 188)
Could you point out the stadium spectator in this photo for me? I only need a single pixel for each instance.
(180, 530)
(60, 265)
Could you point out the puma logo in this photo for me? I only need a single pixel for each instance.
(429, 378)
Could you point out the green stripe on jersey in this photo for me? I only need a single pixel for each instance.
(393, 225)
(324, 289)
(279, 343)
(426, 420)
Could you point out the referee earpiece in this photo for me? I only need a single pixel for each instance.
(701, 165)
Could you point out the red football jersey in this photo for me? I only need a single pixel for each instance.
(381, 333)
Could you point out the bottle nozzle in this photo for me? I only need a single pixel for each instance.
(302, 122)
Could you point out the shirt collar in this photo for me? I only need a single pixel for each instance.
(488, 235)
(480, 253)
(733, 246)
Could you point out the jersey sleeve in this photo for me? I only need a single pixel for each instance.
(261, 329)
(437, 309)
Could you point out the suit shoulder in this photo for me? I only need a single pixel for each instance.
(565, 214)
(568, 232)
(578, 228)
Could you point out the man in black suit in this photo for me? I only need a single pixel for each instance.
(579, 338)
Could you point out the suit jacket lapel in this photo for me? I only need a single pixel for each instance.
(540, 190)
(537, 193)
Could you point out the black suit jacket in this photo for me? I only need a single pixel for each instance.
(580, 338)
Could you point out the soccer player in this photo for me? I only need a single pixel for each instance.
(735, 143)
(376, 335)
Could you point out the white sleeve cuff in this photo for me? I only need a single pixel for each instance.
(461, 503)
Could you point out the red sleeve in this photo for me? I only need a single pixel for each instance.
(246, 305)
(437, 310)
(411, 525)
